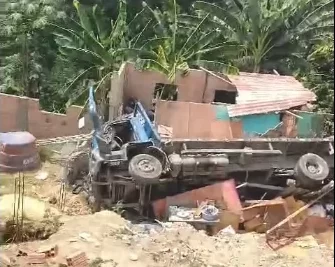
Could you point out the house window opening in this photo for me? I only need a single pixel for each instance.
(221, 96)
(166, 91)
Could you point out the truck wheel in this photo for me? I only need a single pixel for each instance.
(311, 169)
(145, 168)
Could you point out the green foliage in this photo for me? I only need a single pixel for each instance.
(270, 34)
(29, 51)
(56, 49)
(52, 97)
(97, 44)
(175, 46)
(28, 47)
(321, 75)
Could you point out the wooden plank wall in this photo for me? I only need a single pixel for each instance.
(195, 120)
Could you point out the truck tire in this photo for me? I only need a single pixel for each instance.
(311, 170)
(145, 168)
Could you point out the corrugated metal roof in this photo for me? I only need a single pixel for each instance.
(261, 93)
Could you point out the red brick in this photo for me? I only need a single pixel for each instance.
(78, 257)
(36, 258)
(79, 261)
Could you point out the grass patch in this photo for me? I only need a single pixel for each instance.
(45, 153)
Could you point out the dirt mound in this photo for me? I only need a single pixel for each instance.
(39, 220)
(73, 204)
(33, 209)
(109, 240)
(184, 246)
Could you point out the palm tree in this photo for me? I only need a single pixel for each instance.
(269, 34)
(97, 44)
(176, 46)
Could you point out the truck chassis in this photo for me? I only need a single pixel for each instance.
(129, 163)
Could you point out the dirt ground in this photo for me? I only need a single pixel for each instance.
(47, 189)
(109, 240)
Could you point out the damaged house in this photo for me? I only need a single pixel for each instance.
(223, 134)
(216, 106)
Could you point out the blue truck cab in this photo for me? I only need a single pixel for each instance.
(128, 146)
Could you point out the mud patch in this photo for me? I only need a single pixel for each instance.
(31, 230)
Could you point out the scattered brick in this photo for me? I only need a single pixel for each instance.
(49, 251)
(77, 259)
(36, 258)
(23, 252)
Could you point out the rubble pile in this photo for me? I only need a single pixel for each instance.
(44, 256)
(107, 238)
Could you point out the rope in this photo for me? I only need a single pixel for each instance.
(64, 139)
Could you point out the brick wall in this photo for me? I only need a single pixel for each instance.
(22, 113)
(197, 86)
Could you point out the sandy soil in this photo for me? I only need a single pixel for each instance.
(47, 190)
(106, 237)
(109, 240)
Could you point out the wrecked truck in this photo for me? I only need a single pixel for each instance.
(130, 163)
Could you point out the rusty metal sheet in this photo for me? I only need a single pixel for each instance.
(222, 193)
(289, 126)
(18, 152)
(267, 213)
(261, 93)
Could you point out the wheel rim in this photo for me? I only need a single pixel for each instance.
(145, 165)
(313, 168)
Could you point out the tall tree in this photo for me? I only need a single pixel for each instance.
(28, 50)
(98, 44)
(175, 47)
(270, 34)
(320, 76)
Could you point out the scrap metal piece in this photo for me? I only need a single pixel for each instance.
(231, 151)
(274, 235)
(209, 213)
(265, 214)
(198, 211)
(262, 186)
(331, 149)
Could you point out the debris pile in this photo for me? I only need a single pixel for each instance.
(77, 259)
(281, 219)
(44, 256)
(107, 238)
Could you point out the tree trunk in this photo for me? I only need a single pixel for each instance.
(25, 66)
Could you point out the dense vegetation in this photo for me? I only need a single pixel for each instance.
(53, 49)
